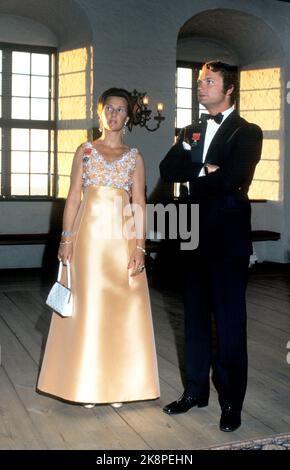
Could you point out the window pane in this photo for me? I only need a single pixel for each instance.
(20, 185)
(20, 108)
(63, 186)
(19, 162)
(39, 64)
(20, 139)
(39, 87)
(184, 98)
(38, 185)
(20, 62)
(0, 83)
(0, 61)
(183, 117)
(184, 77)
(39, 162)
(39, 140)
(20, 85)
(39, 109)
(202, 109)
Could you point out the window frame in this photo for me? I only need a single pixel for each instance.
(195, 67)
(7, 122)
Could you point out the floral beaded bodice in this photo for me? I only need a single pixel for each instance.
(99, 172)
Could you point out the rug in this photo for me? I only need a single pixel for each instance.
(276, 442)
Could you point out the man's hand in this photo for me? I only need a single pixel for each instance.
(210, 168)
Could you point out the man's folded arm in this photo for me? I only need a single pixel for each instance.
(237, 170)
(177, 165)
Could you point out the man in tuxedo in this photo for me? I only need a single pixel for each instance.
(218, 159)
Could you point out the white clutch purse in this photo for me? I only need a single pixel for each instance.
(60, 298)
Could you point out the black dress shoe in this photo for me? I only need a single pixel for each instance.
(230, 419)
(183, 404)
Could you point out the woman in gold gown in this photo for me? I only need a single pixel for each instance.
(105, 353)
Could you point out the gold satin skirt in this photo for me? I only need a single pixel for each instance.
(105, 352)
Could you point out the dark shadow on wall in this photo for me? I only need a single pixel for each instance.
(49, 260)
(164, 265)
(162, 193)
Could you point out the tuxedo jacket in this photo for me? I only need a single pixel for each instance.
(225, 211)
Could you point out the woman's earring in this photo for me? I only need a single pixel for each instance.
(124, 128)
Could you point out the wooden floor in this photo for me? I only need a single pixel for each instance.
(31, 421)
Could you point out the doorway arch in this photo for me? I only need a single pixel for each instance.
(250, 43)
(238, 36)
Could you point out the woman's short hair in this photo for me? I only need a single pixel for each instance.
(120, 93)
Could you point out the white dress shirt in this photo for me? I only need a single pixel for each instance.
(211, 129)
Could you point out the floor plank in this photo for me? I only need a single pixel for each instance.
(17, 431)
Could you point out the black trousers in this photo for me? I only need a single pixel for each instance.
(214, 289)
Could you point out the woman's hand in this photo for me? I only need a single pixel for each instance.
(136, 262)
(65, 252)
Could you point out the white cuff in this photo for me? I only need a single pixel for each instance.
(186, 146)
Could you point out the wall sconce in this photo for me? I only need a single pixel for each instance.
(142, 114)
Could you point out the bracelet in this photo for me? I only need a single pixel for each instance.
(65, 243)
(142, 249)
(66, 233)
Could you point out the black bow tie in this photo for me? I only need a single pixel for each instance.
(217, 118)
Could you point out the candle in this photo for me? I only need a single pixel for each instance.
(160, 107)
(145, 100)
